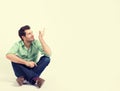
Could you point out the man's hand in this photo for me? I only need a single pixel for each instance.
(41, 33)
(31, 64)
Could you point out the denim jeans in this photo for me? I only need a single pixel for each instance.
(30, 73)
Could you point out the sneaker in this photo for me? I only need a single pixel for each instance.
(39, 82)
(20, 80)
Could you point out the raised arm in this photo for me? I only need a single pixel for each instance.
(45, 47)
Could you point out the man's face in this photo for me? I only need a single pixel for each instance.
(29, 37)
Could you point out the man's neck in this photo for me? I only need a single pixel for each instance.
(27, 44)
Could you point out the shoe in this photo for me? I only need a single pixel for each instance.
(39, 82)
(20, 80)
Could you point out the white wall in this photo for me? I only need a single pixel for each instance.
(83, 35)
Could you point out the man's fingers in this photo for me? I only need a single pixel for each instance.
(39, 32)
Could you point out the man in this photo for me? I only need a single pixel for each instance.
(23, 56)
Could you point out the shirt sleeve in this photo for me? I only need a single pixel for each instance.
(13, 49)
(40, 48)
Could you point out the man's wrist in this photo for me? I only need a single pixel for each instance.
(27, 63)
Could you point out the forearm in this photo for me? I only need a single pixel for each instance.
(45, 47)
(16, 59)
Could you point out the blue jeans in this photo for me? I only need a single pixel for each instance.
(30, 73)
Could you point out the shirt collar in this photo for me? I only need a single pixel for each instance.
(22, 43)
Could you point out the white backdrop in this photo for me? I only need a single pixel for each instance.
(83, 35)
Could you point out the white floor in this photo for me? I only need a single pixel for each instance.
(61, 76)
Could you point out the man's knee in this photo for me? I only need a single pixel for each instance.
(46, 59)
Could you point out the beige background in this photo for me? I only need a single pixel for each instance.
(83, 35)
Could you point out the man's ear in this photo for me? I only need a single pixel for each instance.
(23, 37)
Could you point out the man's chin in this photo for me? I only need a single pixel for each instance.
(32, 40)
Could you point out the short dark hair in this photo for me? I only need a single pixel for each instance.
(21, 31)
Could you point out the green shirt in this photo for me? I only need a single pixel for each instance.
(30, 54)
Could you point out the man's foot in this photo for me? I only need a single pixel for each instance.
(39, 82)
(20, 80)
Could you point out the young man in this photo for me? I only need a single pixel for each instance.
(23, 56)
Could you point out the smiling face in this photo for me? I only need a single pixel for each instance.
(29, 37)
